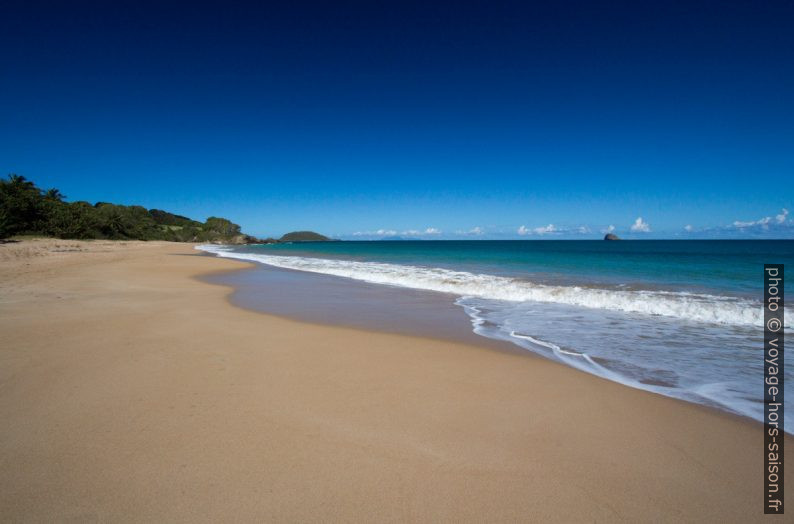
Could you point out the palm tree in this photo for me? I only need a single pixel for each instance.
(19, 182)
(54, 194)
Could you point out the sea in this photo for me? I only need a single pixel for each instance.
(681, 318)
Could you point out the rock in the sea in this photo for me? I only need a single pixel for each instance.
(610, 236)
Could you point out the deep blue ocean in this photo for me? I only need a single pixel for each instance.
(682, 318)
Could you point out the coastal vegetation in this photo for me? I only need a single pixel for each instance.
(26, 209)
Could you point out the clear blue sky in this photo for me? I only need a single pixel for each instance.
(404, 117)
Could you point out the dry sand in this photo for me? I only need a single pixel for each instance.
(130, 391)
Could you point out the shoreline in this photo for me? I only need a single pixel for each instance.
(405, 328)
(249, 291)
(133, 390)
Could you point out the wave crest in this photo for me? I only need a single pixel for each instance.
(688, 306)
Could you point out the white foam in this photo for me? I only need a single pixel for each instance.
(641, 358)
(689, 306)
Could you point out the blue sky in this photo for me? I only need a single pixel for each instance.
(434, 120)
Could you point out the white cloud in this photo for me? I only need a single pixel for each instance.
(762, 222)
(473, 231)
(551, 229)
(394, 232)
(378, 233)
(609, 229)
(778, 225)
(544, 230)
(418, 233)
(640, 226)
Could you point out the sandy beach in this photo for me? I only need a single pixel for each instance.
(132, 391)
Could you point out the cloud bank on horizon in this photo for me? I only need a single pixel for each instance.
(386, 233)
(778, 226)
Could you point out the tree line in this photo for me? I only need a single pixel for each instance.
(26, 209)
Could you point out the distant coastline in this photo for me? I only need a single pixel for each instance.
(26, 209)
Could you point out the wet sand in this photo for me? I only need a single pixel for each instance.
(338, 301)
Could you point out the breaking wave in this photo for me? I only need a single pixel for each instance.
(689, 306)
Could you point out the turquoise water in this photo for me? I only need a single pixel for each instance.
(732, 266)
(679, 318)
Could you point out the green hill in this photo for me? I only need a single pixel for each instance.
(27, 209)
(304, 236)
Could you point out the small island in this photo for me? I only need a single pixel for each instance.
(304, 236)
(610, 236)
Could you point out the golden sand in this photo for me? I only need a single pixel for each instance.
(131, 391)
